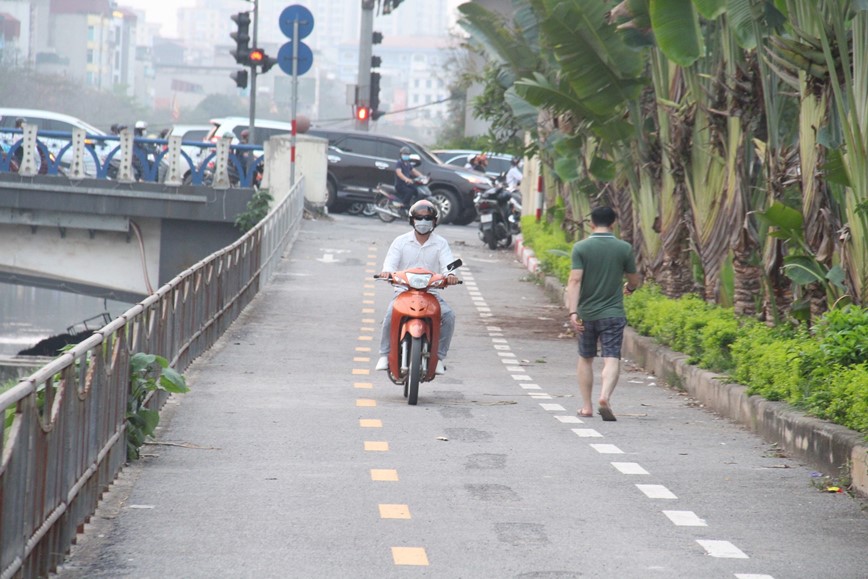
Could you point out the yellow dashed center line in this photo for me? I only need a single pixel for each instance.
(365, 338)
(367, 310)
(366, 329)
(368, 286)
(367, 303)
(371, 263)
(366, 402)
(376, 446)
(368, 321)
(370, 423)
(362, 349)
(361, 359)
(361, 371)
(409, 556)
(394, 512)
(368, 294)
(363, 385)
(384, 474)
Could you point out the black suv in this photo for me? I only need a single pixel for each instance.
(359, 161)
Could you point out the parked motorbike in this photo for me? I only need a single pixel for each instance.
(499, 212)
(389, 206)
(415, 330)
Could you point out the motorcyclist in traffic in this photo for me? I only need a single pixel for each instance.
(404, 174)
(423, 248)
(513, 176)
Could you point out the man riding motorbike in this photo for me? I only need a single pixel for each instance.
(404, 174)
(423, 248)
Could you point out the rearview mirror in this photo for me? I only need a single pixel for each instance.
(454, 265)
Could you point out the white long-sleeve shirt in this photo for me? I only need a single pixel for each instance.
(406, 253)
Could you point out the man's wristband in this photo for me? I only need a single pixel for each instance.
(572, 314)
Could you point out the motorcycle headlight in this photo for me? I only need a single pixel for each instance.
(475, 179)
(419, 280)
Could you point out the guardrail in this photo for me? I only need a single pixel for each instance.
(63, 441)
(129, 159)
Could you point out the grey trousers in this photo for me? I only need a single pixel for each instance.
(447, 328)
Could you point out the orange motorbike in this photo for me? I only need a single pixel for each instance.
(415, 330)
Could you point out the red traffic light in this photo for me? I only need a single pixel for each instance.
(363, 113)
(257, 56)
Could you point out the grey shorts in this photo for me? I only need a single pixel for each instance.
(609, 332)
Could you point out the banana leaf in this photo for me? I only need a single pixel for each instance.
(676, 28)
(601, 70)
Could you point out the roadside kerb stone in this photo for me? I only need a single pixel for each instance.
(829, 448)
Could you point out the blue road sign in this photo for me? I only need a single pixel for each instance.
(305, 58)
(292, 13)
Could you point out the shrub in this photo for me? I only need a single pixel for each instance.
(843, 335)
(550, 246)
(842, 397)
(716, 339)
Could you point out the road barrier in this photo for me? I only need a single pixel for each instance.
(63, 438)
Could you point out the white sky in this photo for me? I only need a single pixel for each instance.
(164, 12)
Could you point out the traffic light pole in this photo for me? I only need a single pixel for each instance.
(252, 121)
(363, 97)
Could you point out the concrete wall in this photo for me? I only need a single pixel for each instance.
(71, 255)
(311, 161)
(184, 243)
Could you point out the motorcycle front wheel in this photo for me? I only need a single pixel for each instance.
(384, 208)
(415, 374)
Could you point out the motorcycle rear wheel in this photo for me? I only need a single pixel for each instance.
(384, 205)
(415, 374)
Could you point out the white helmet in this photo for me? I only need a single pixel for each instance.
(141, 125)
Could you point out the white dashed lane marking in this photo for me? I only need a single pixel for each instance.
(570, 419)
(629, 468)
(685, 519)
(722, 549)
(719, 549)
(656, 492)
(587, 433)
(607, 449)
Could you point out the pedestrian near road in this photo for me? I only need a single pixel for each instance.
(595, 302)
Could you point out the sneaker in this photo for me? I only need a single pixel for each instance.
(382, 363)
(440, 369)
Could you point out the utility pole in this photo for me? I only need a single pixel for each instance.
(366, 32)
(252, 121)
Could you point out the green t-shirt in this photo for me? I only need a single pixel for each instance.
(603, 259)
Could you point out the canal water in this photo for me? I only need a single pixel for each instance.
(28, 314)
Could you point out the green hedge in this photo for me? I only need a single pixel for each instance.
(550, 246)
(823, 372)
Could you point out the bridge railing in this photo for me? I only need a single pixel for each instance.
(63, 440)
(128, 159)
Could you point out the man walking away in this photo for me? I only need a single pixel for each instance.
(595, 302)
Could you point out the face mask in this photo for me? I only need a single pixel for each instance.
(423, 227)
(405, 157)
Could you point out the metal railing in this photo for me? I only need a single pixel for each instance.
(126, 158)
(63, 438)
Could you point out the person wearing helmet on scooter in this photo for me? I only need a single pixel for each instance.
(420, 247)
(404, 174)
(513, 176)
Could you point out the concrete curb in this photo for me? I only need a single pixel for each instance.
(829, 448)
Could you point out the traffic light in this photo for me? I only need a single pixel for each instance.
(362, 113)
(242, 38)
(376, 37)
(375, 95)
(262, 60)
(376, 61)
(240, 78)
